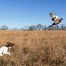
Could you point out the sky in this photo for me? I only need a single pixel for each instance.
(30, 12)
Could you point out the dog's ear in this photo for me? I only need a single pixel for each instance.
(10, 44)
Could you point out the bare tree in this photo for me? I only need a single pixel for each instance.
(3, 27)
(39, 27)
(32, 27)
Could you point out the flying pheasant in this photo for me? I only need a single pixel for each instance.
(56, 20)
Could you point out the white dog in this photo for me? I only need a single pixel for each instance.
(4, 49)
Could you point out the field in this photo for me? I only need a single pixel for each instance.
(34, 48)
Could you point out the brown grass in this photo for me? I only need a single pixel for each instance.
(34, 48)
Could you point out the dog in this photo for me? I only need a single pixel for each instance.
(4, 49)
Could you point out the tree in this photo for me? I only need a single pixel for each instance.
(39, 27)
(62, 27)
(32, 27)
(3, 27)
(44, 27)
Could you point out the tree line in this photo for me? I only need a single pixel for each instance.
(35, 27)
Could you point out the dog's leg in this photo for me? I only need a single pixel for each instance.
(1, 54)
(7, 53)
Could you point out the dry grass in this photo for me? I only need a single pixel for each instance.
(35, 48)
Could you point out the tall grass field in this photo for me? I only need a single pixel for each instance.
(34, 48)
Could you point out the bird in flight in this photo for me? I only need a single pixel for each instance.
(56, 20)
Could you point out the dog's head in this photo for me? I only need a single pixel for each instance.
(9, 44)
